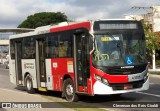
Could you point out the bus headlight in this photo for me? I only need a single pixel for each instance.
(99, 78)
(105, 81)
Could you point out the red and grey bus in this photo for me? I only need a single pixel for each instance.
(101, 57)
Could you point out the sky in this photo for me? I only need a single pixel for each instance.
(13, 12)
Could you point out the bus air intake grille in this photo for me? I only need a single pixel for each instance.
(125, 86)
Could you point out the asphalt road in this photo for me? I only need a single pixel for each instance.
(151, 95)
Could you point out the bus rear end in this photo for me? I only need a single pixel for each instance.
(118, 59)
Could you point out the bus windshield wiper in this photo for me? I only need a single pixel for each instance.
(117, 43)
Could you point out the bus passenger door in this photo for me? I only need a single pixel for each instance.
(81, 63)
(40, 61)
(18, 57)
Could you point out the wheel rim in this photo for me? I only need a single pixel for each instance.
(28, 84)
(69, 90)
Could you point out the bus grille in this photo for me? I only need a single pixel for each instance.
(120, 86)
(118, 71)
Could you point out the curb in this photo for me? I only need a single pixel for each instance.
(154, 75)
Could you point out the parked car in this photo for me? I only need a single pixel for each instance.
(6, 63)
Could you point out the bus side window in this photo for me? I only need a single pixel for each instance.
(47, 51)
(12, 49)
(51, 46)
(62, 50)
(65, 45)
(54, 51)
(58, 45)
(28, 47)
(69, 50)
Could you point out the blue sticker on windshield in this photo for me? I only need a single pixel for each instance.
(129, 60)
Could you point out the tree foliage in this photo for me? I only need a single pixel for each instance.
(42, 19)
(151, 40)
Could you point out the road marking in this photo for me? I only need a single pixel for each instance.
(149, 94)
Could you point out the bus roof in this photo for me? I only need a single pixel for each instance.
(54, 28)
(116, 19)
(62, 27)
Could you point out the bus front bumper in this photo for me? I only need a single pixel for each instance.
(102, 89)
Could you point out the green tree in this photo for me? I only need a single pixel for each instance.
(42, 19)
(151, 40)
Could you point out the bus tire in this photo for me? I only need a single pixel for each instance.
(29, 85)
(69, 91)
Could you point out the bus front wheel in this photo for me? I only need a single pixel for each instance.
(69, 90)
(29, 85)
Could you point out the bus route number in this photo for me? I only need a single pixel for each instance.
(105, 39)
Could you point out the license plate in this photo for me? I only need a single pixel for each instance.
(127, 87)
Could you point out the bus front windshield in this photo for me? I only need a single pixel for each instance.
(119, 49)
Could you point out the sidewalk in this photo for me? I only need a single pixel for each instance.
(154, 75)
(16, 96)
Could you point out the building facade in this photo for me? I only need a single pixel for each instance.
(4, 40)
(152, 19)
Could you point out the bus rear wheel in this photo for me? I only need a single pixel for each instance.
(69, 91)
(29, 85)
